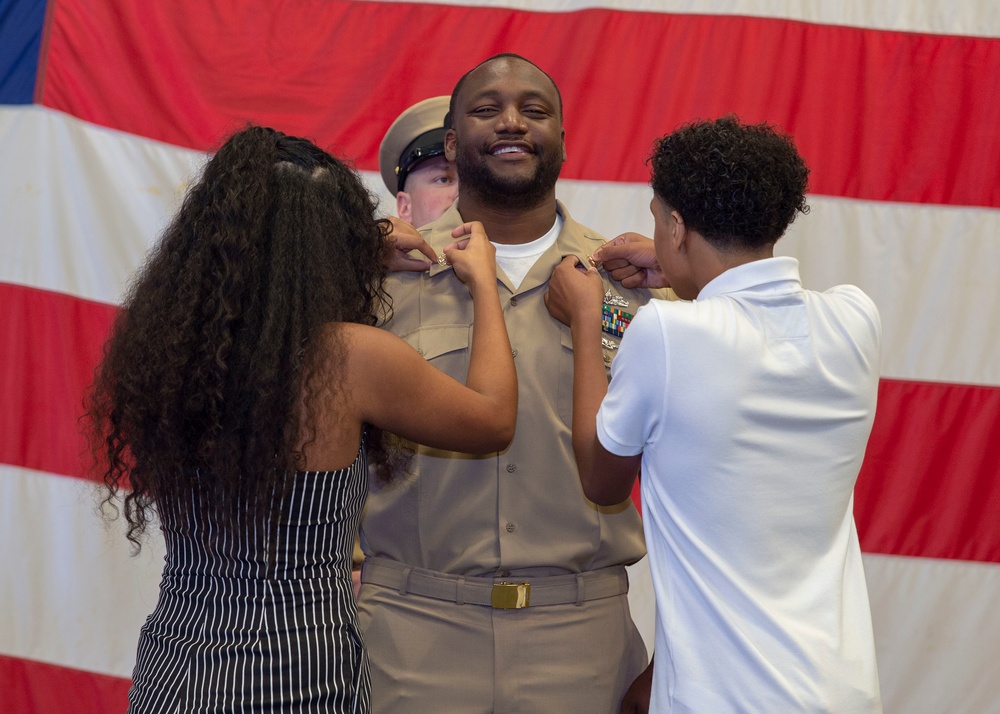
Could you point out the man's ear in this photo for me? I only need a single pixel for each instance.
(450, 145)
(404, 206)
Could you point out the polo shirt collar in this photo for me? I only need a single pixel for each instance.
(776, 275)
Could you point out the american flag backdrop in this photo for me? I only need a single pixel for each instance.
(108, 108)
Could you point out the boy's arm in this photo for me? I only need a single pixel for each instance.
(575, 298)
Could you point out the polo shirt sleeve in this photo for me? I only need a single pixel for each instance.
(633, 407)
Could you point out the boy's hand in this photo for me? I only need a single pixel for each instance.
(630, 259)
(576, 292)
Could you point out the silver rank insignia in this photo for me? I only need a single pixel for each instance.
(614, 300)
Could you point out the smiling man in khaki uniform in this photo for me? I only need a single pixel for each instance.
(491, 584)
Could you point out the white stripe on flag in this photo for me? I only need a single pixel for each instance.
(80, 599)
(87, 202)
(937, 636)
(977, 18)
(72, 594)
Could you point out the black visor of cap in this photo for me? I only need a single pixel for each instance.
(428, 144)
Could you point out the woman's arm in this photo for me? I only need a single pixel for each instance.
(399, 391)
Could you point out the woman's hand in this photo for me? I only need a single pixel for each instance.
(473, 258)
(403, 239)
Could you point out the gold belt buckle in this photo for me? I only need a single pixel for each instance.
(511, 596)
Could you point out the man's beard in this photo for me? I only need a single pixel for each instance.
(475, 176)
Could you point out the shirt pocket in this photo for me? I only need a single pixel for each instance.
(444, 346)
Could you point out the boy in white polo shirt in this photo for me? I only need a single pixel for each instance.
(748, 409)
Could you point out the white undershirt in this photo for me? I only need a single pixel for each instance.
(516, 260)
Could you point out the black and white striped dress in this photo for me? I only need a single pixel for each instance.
(238, 630)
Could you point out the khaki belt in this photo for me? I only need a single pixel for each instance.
(498, 593)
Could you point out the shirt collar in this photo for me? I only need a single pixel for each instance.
(778, 275)
(438, 233)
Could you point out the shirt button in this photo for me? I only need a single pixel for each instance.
(607, 359)
(513, 302)
(511, 528)
(511, 468)
(513, 353)
(420, 352)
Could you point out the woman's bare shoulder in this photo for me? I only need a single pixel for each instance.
(362, 339)
(369, 352)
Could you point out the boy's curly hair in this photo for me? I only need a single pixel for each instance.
(738, 185)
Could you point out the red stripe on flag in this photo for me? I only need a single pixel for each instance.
(931, 447)
(30, 687)
(878, 115)
(930, 484)
(51, 344)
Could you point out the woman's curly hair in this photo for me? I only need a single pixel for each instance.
(203, 377)
(738, 185)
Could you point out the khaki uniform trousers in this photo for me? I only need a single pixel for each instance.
(433, 656)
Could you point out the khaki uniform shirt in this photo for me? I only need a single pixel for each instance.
(521, 511)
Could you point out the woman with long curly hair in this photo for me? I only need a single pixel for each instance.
(241, 389)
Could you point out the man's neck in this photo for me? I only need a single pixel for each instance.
(510, 226)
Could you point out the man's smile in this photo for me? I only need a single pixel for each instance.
(502, 148)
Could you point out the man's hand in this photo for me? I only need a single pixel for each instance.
(630, 259)
(405, 238)
(575, 292)
(636, 699)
